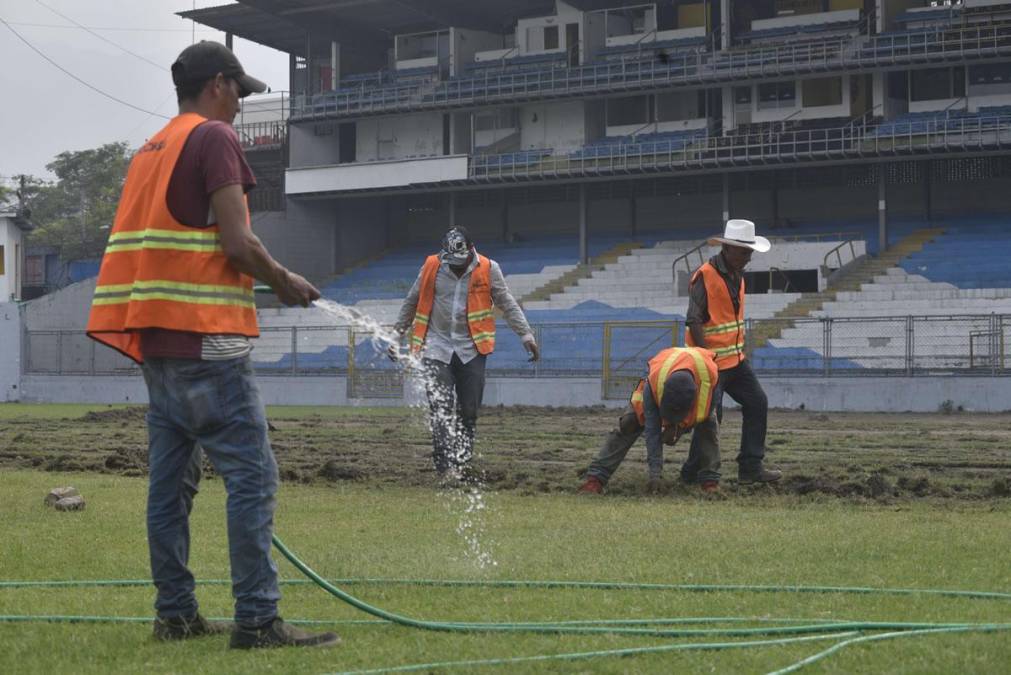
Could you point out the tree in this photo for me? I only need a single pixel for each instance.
(75, 213)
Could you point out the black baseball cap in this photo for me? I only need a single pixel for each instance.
(203, 60)
(678, 396)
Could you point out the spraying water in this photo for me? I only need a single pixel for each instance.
(465, 495)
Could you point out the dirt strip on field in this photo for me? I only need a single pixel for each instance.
(852, 456)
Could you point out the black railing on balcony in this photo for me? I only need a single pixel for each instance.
(684, 68)
(774, 147)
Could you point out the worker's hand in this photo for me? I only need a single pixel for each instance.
(671, 434)
(393, 352)
(293, 289)
(533, 350)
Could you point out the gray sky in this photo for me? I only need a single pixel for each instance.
(45, 112)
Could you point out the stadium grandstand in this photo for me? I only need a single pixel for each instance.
(591, 146)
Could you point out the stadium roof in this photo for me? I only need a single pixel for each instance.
(283, 24)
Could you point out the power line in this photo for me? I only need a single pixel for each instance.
(103, 39)
(75, 77)
(125, 29)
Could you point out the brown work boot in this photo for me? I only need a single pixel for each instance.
(710, 487)
(762, 475)
(277, 633)
(592, 486)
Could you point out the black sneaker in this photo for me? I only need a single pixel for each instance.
(276, 633)
(186, 627)
(763, 475)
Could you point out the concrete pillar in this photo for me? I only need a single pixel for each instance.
(726, 198)
(10, 365)
(504, 216)
(452, 210)
(584, 248)
(928, 190)
(633, 212)
(882, 209)
(228, 40)
(725, 23)
(775, 200)
(335, 64)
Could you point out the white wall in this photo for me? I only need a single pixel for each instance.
(12, 239)
(466, 43)
(594, 38)
(398, 137)
(10, 364)
(378, 174)
(983, 95)
(564, 14)
(937, 104)
(561, 126)
(797, 112)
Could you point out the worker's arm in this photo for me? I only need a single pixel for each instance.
(406, 317)
(651, 431)
(511, 311)
(698, 310)
(410, 307)
(247, 253)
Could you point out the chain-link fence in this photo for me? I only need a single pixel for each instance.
(616, 352)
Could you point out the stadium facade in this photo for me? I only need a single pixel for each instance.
(869, 137)
(589, 117)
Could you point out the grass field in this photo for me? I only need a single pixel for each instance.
(872, 500)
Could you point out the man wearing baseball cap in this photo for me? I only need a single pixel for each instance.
(449, 311)
(715, 320)
(175, 294)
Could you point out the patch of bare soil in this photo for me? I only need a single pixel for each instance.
(857, 457)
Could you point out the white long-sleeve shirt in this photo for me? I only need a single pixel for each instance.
(448, 331)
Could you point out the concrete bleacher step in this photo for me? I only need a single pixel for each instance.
(849, 279)
(581, 271)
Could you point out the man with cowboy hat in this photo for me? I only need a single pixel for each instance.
(449, 312)
(715, 321)
(676, 394)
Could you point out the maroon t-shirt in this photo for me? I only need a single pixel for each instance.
(211, 159)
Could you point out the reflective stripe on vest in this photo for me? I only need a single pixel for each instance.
(699, 362)
(480, 312)
(725, 329)
(158, 272)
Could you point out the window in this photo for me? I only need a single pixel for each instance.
(550, 37)
(628, 111)
(742, 95)
(821, 91)
(773, 95)
(680, 106)
(936, 84)
(505, 118)
(990, 73)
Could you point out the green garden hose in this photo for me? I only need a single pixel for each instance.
(785, 630)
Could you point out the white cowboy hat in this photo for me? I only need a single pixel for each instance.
(741, 233)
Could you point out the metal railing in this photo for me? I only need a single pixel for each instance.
(990, 132)
(682, 68)
(258, 135)
(616, 352)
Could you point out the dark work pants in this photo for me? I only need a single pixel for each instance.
(743, 386)
(705, 461)
(454, 392)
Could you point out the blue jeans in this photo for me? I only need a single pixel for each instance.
(214, 405)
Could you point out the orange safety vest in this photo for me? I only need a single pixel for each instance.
(696, 360)
(480, 318)
(159, 273)
(725, 329)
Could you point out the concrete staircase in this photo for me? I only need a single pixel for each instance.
(572, 277)
(850, 279)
